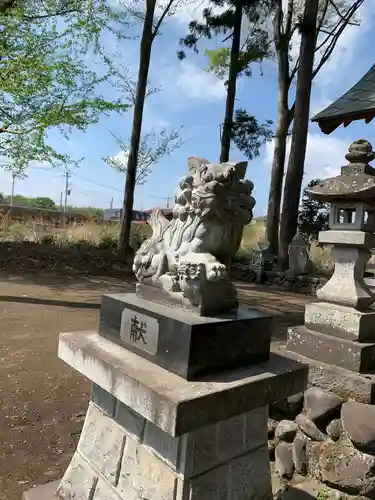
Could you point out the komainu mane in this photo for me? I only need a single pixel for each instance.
(185, 262)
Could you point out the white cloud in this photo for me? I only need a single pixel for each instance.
(195, 83)
(324, 156)
(187, 11)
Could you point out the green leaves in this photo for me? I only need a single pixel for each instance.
(48, 52)
(248, 134)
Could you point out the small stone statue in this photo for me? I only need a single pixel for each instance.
(299, 258)
(185, 262)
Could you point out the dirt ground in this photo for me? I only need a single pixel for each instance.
(42, 401)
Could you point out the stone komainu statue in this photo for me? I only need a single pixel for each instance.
(185, 262)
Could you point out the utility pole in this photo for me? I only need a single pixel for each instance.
(61, 201)
(12, 194)
(111, 205)
(67, 190)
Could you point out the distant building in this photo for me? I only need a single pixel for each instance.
(139, 216)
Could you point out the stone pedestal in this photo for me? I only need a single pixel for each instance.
(339, 330)
(152, 434)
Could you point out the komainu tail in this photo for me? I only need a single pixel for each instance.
(158, 223)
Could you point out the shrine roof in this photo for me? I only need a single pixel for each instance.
(358, 103)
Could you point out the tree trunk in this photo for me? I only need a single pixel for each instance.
(144, 64)
(294, 175)
(231, 88)
(284, 119)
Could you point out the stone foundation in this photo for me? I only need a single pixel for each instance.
(326, 433)
(150, 434)
(122, 456)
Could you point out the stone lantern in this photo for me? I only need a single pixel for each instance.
(339, 328)
(352, 227)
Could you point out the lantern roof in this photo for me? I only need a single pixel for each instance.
(356, 181)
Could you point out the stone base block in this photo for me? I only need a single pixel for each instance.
(45, 492)
(355, 356)
(341, 321)
(345, 383)
(176, 405)
(113, 461)
(182, 342)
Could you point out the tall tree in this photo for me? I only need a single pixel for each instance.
(293, 180)
(231, 61)
(151, 27)
(47, 79)
(332, 19)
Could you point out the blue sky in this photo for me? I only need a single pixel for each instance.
(194, 99)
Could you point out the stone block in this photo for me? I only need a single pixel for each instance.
(209, 446)
(243, 478)
(133, 423)
(185, 343)
(212, 485)
(344, 383)
(103, 399)
(143, 475)
(176, 405)
(250, 476)
(162, 444)
(104, 491)
(256, 427)
(44, 492)
(102, 443)
(352, 238)
(79, 481)
(354, 356)
(341, 321)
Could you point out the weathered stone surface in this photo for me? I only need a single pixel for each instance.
(334, 429)
(286, 430)
(133, 423)
(184, 343)
(103, 399)
(213, 485)
(345, 383)
(284, 460)
(358, 421)
(162, 444)
(342, 321)
(181, 254)
(79, 481)
(300, 455)
(176, 405)
(102, 443)
(349, 354)
(104, 491)
(346, 468)
(44, 492)
(250, 476)
(145, 476)
(312, 489)
(319, 404)
(210, 446)
(309, 428)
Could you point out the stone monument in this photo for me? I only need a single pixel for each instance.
(333, 431)
(182, 377)
(299, 258)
